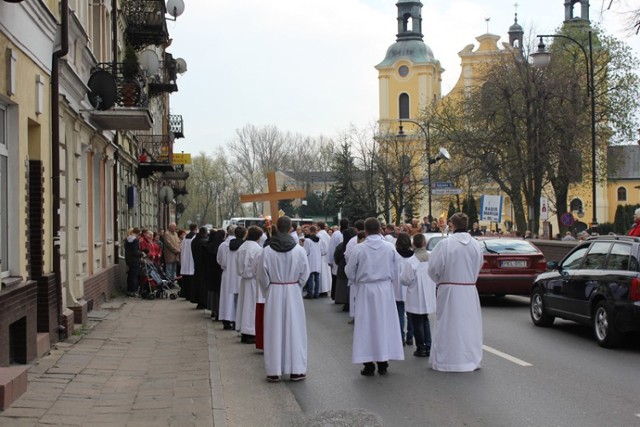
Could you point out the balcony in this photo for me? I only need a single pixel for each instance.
(156, 154)
(165, 81)
(177, 180)
(121, 102)
(176, 125)
(146, 24)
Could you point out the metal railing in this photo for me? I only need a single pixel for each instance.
(146, 24)
(130, 89)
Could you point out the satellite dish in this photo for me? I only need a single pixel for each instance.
(149, 61)
(175, 7)
(102, 90)
(165, 195)
(181, 66)
(443, 154)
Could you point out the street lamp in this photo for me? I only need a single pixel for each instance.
(541, 58)
(442, 154)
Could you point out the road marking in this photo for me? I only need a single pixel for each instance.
(638, 415)
(506, 356)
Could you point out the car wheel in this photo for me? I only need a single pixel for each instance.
(539, 314)
(603, 329)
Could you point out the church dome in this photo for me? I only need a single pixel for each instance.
(415, 51)
(515, 27)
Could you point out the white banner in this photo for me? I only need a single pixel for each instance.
(491, 208)
(544, 208)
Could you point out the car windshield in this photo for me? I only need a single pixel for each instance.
(503, 246)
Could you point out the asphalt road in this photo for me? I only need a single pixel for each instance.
(530, 376)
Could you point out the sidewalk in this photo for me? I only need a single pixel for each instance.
(138, 363)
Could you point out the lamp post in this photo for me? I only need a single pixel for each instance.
(541, 58)
(443, 154)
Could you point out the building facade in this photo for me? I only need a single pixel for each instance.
(85, 146)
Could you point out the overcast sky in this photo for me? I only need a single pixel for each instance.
(307, 66)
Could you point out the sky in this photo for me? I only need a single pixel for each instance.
(307, 66)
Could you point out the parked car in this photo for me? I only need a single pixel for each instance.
(597, 284)
(432, 240)
(510, 266)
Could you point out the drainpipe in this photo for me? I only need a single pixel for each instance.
(114, 66)
(55, 155)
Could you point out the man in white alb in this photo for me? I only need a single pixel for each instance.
(454, 266)
(372, 268)
(282, 271)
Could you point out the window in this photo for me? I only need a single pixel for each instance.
(404, 106)
(619, 257)
(4, 196)
(622, 194)
(573, 261)
(597, 256)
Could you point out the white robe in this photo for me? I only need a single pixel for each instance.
(227, 309)
(400, 291)
(325, 271)
(372, 268)
(454, 266)
(336, 239)
(421, 290)
(187, 267)
(281, 275)
(315, 252)
(248, 256)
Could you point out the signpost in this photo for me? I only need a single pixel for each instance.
(446, 191)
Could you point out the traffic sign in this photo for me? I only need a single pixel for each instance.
(446, 191)
(567, 219)
(442, 185)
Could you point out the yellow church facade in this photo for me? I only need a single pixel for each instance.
(410, 85)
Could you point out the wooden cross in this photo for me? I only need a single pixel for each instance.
(273, 195)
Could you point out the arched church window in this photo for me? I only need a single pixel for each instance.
(403, 102)
(622, 194)
(575, 205)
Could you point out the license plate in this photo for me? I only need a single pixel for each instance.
(513, 264)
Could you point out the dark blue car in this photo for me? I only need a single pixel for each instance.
(597, 284)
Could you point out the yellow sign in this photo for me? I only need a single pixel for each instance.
(181, 158)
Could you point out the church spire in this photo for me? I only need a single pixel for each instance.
(409, 20)
(568, 11)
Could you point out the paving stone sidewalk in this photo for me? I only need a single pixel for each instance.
(138, 363)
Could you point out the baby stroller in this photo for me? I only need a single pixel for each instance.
(155, 283)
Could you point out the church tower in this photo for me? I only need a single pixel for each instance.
(568, 11)
(409, 76)
(516, 34)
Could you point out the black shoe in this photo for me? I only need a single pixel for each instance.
(409, 341)
(308, 296)
(226, 325)
(297, 377)
(382, 368)
(421, 353)
(200, 307)
(369, 369)
(345, 307)
(248, 339)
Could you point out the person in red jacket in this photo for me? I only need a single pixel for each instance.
(635, 230)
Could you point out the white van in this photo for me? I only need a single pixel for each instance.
(247, 222)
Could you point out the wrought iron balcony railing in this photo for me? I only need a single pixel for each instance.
(155, 148)
(156, 154)
(130, 89)
(146, 24)
(165, 81)
(176, 125)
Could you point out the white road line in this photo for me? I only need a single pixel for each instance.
(638, 415)
(506, 356)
